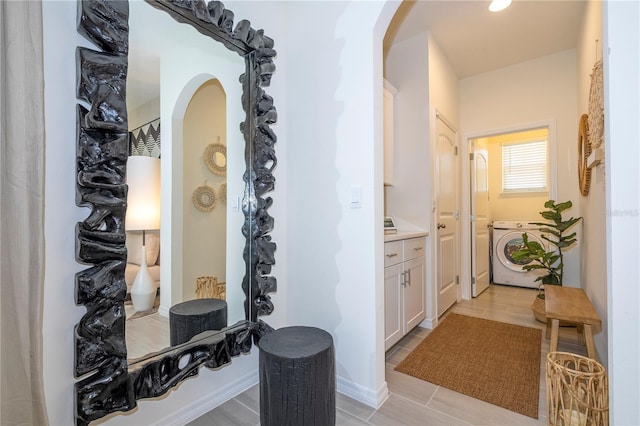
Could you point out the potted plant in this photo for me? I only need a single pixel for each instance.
(534, 256)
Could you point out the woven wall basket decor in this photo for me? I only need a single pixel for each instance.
(215, 157)
(222, 192)
(204, 198)
(584, 150)
(596, 107)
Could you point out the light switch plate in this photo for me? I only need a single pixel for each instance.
(356, 197)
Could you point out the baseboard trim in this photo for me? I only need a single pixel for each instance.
(364, 395)
(210, 401)
(429, 323)
(163, 311)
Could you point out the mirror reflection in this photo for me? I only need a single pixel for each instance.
(183, 96)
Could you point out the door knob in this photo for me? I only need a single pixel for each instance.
(442, 226)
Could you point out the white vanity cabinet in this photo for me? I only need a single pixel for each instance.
(404, 287)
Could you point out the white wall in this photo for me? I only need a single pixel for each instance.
(144, 113)
(407, 69)
(593, 206)
(541, 90)
(444, 88)
(622, 154)
(205, 233)
(334, 126)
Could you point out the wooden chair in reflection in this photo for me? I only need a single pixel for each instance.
(209, 288)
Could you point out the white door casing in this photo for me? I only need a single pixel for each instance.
(466, 173)
(480, 217)
(446, 215)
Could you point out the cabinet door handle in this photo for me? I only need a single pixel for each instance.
(404, 278)
(409, 275)
(392, 254)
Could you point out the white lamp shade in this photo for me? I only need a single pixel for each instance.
(143, 199)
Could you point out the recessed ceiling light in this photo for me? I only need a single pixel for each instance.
(498, 5)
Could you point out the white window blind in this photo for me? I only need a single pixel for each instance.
(524, 167)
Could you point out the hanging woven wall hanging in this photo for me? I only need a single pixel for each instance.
(204, 198)
(222, 192)
(596, 107)
(215, 157)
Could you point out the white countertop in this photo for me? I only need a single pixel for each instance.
(403, 235)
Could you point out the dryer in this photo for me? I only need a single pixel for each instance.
(507, 238)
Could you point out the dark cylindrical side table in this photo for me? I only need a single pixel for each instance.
(297, 378)
(192, 317)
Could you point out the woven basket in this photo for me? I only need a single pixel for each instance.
(577, 391)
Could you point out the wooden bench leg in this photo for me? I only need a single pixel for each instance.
(547, 332)
(553, 344)
(580, 329)
(588, 337)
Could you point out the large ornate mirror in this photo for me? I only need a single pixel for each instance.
(112, 380)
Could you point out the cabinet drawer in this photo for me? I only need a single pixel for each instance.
(392, 253)
(414, 247)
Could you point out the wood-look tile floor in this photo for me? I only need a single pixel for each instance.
(413, 401)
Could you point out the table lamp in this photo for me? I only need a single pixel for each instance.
(143, 214)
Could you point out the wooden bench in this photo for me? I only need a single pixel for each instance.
(573, 306)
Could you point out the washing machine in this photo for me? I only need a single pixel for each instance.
(507, 238)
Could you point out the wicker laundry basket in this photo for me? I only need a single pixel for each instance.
(577, 391)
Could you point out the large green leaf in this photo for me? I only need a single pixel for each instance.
(563, 226)
(550, 231)
(565, 243)
(563, 206)
(551, 215)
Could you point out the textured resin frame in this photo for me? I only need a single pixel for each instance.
(109, 383)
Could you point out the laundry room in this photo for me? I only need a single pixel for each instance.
(510, 183)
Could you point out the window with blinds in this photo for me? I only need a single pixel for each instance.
(524, 167)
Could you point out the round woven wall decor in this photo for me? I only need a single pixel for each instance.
(584, 150)
(204, 198)
(215, 157)
(596, 107)
(222, 192)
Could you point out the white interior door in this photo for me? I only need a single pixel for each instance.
(446, 215)
(480, 217)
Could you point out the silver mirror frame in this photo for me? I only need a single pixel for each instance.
(108, 382)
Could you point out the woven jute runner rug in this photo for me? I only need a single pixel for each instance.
(493, 361)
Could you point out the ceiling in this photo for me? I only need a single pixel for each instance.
(475, 40)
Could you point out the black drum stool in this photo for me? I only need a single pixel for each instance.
(297, 378)
(192, 317)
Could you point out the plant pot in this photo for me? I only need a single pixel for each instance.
(539, 310)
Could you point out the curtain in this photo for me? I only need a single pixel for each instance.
(22, 144)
